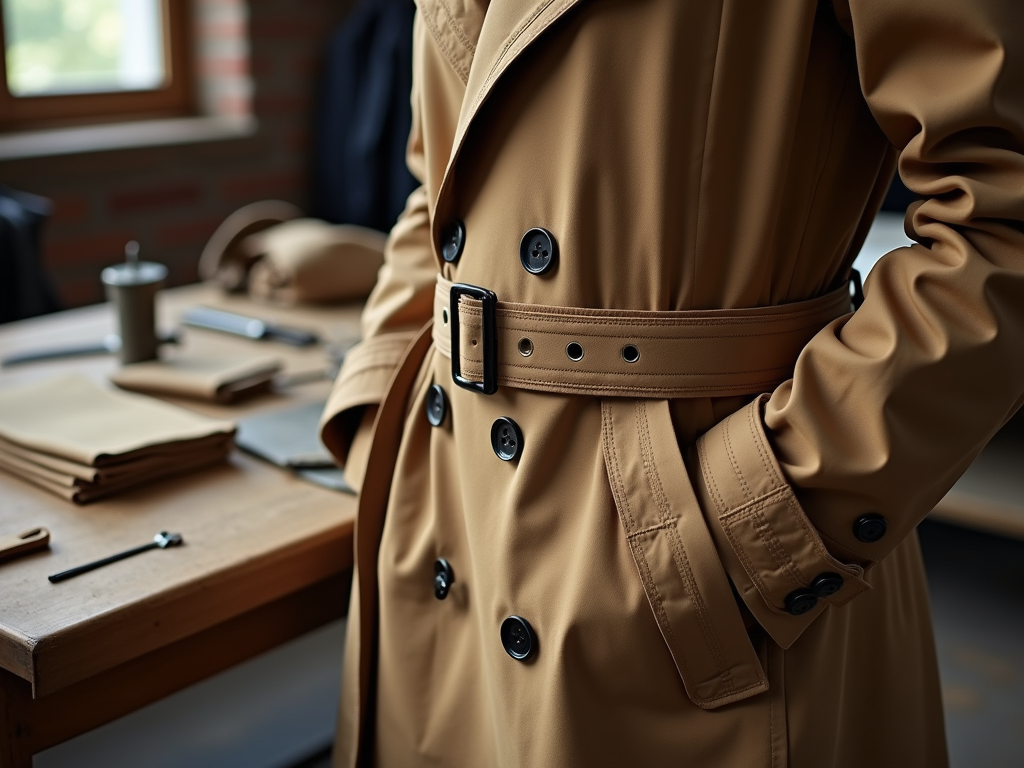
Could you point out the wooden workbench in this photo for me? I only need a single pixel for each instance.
(267, 556)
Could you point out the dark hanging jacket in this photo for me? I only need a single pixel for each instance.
(364, 117)
(25, 288)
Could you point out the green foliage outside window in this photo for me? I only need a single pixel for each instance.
(82, 46)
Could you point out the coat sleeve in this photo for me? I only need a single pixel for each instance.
(887, 407)
(398, 307)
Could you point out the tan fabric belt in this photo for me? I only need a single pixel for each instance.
(625, 353)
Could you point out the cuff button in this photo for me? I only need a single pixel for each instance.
(800, 601)
(827, 584)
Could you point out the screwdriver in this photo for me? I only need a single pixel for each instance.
(162, 540)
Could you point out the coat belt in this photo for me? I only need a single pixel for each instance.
(626, 353)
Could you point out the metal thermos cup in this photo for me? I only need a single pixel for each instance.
(132, 288)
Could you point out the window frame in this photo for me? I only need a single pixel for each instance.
(176, 97)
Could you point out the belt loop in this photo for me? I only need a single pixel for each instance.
(489, 342)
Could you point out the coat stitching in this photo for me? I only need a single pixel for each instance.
(654, 393)
(709, 478)
(680, 558)
(684, 318)
(513, 39)
(653, 528)
(759, 443)
(473, 314)
(662, 393)
(449, 54)
(630, 375)
(785, 495)
(622, 505)
(612, 460)
(726, 428)
(460, 33)
(748, 566)
(763, 527)
(775, 548)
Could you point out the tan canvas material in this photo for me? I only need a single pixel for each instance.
(686, 156)
(72, 418)
(83, 442)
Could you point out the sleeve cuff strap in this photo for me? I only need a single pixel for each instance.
(768, 545)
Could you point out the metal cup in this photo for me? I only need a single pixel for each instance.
(132, 288)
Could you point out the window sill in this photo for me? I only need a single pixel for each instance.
(114, 136)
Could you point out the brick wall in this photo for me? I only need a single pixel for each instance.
(171, 198)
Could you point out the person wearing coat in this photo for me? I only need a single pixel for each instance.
(638, 487)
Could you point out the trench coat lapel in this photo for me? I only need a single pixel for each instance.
(509, 28)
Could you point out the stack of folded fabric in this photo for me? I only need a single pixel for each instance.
(83, 442)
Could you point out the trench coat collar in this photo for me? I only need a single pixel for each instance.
(509, 28)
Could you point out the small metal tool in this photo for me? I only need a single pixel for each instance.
(248, 327)
(162, 540)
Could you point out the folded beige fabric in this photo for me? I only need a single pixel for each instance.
(82, 491)
(151, 460)
(218, 379)
(82, 441)
(308, 260)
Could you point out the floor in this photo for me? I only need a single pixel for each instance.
(271, 711)
(977, 588)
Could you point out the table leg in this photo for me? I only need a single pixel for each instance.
(15, 721)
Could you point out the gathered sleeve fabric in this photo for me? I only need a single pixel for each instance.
(888, 406)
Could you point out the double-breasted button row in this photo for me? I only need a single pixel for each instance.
(538, 250)
(800, 601)
(516, 634)
(506, 437)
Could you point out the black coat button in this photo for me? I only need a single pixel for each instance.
(517, 638)
(436, 405)
(800, 601)
(870, 528)
(538, 251)
(506, 439)
(443, 578)
(453, 240)
(827, 584)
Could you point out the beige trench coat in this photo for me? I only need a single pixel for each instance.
(684, 155)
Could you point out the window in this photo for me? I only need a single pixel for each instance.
(68, 61)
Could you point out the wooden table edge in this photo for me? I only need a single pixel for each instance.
(240, 588)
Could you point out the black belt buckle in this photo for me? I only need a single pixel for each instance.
(489, 350)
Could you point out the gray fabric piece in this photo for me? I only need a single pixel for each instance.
(290, 438)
